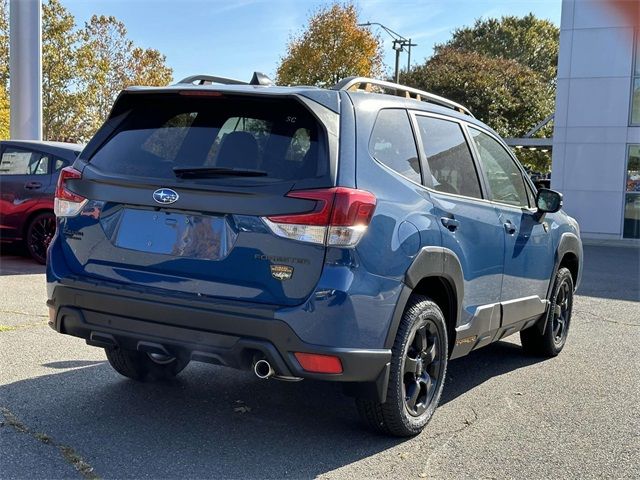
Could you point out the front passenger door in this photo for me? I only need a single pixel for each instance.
(528, 261)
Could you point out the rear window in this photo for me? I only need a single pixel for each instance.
(277, 136)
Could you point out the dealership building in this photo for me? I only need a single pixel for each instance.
(596, 137)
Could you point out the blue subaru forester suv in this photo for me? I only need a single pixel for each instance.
(364, 234)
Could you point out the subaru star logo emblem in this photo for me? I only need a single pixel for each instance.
(165, 196)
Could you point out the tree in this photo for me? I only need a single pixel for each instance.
(82, 71)
(503, 70)
(4, 114)
(502, 93)
(147, 67)
(61, 104)
(4, 70)
(109, 62)
(4, 43)
(330, 48)
(103, 61)
(530, 41)
(509, 97)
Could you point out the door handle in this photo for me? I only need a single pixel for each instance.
(32, 185)
(510, 227)
(450, 223)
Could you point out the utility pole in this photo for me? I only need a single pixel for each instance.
(398, 48)
(25, 69)
(399, 45)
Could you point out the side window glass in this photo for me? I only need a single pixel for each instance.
(392, 143)
(60, 164)
(531, 195)
(41, 167)
(16, 161)
(505, 179)
(448, 156)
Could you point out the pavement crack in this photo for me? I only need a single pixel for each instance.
(466, 423)
(68, 453)
(15, 312)
(603, 319)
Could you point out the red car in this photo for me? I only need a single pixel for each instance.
(28, 176)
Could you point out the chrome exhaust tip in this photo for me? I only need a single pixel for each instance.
(263, 369)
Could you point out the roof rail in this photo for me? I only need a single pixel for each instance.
(352, 84)
(205, 79)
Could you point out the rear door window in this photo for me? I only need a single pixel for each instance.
(392, 143)
(18, 161)
(278, 137)
(451, 167)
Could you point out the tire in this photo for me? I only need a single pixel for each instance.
(422, 336)
(142, 366)
(40, 231)
(552, 341)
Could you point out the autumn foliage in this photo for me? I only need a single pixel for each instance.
(503, 70)
(331, 47)
(83, 69)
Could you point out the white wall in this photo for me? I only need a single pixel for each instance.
(591, 129)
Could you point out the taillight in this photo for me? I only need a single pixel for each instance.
(67, 203)
(340, 218)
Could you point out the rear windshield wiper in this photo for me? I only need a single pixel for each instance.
(205, 172)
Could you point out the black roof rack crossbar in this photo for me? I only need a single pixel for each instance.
(353, 84)
(205, 79)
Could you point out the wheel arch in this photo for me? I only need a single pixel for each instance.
(436, 273)
(569, 255)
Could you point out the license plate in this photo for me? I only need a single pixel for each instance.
(179, 235)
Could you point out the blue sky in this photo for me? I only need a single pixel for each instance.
(234, 38)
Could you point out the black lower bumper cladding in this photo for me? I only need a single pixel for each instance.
(221, 333)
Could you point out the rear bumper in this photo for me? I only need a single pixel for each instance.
(222, 333)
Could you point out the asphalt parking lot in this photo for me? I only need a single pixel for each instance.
(65, 413)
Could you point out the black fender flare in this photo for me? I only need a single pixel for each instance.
(429, 262)
(569, 243)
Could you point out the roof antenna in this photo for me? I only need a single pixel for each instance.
(260, 78)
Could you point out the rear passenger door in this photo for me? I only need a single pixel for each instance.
(469, 223)
(24, 180)
(529, 258)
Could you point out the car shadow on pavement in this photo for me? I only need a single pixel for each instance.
(15, 261)
(210, 422)
(476, 368)
(214, 422)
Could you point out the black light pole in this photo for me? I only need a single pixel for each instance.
(399, 44)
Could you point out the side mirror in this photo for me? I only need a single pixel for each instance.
(548, 201)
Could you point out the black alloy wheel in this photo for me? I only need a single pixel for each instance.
(39, 235)
(422, 368)
(562, 313)
(548, 339)
(417, 372)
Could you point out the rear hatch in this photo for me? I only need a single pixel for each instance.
(178, 185)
